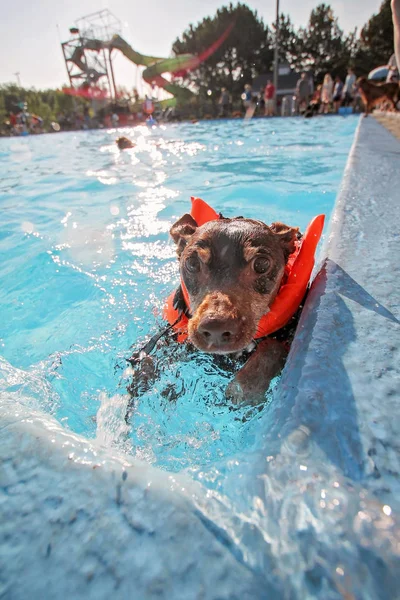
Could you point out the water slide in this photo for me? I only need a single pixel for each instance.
(155, 66)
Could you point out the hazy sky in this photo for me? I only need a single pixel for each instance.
(30, 40)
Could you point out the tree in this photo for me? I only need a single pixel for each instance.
(376, 43)
(321, 47)
(45, 103)
(288, 39)
(243, 55)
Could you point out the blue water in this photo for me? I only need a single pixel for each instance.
(86, 263)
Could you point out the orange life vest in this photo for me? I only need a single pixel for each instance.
(298, 271)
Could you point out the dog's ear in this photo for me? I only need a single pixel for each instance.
(286, 236)
(182, 230)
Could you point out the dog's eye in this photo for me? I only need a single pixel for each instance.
(193, 264)
(261, 264)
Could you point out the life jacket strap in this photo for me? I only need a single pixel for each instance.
(148, 348)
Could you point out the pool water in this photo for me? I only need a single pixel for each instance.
(86, 263)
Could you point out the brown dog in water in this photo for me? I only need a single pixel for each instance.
(233, 269)
(376, 93)
(124, 143)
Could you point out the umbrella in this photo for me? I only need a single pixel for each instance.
(379, 72)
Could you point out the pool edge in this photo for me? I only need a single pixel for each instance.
(346, 352)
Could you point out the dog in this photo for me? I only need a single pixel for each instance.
(376, 93)
(232, 270)
(124, 143)
(312, 109)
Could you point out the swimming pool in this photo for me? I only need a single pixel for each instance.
(298, 500)
(87, 263)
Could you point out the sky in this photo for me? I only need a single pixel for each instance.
(30, 32)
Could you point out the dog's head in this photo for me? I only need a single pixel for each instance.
(124, 143)
(232, 270)
(362, 83)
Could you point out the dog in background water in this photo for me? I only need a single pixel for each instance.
(124, 143)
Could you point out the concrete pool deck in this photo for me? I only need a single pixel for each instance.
(80, 522)
(389, 120)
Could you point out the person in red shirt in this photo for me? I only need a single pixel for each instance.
(269, 97)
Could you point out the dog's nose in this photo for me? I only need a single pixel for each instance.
(218, 331)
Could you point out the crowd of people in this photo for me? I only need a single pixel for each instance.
(262, 102)
(21, 122)
(333, 94)
(326, 98)
(329, 96)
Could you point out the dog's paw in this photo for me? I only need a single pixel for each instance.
(240, 393)
(144, 373)
(234, 392)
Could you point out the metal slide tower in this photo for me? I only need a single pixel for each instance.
(88, 58)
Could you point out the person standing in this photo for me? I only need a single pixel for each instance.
(261, 101)
(224, 101)
(393, 72)
(302, 93)
(310, 77)
(86, 118)
(326, 94)
(337, 93)
(269, 97)
(114, 120)
(247, 96)
(395, 4)
(148, 106)
(249, 102)
(348, 88)
(13, 123)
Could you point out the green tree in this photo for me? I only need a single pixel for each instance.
(321, 47)
(244, 54)
(3, 112)
(45, 103)
(376, 43)
(288, 39)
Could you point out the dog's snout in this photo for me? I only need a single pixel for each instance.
(222, 324)
(218, 331)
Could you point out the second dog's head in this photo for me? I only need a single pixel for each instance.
(232, 270)
(124, 143)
